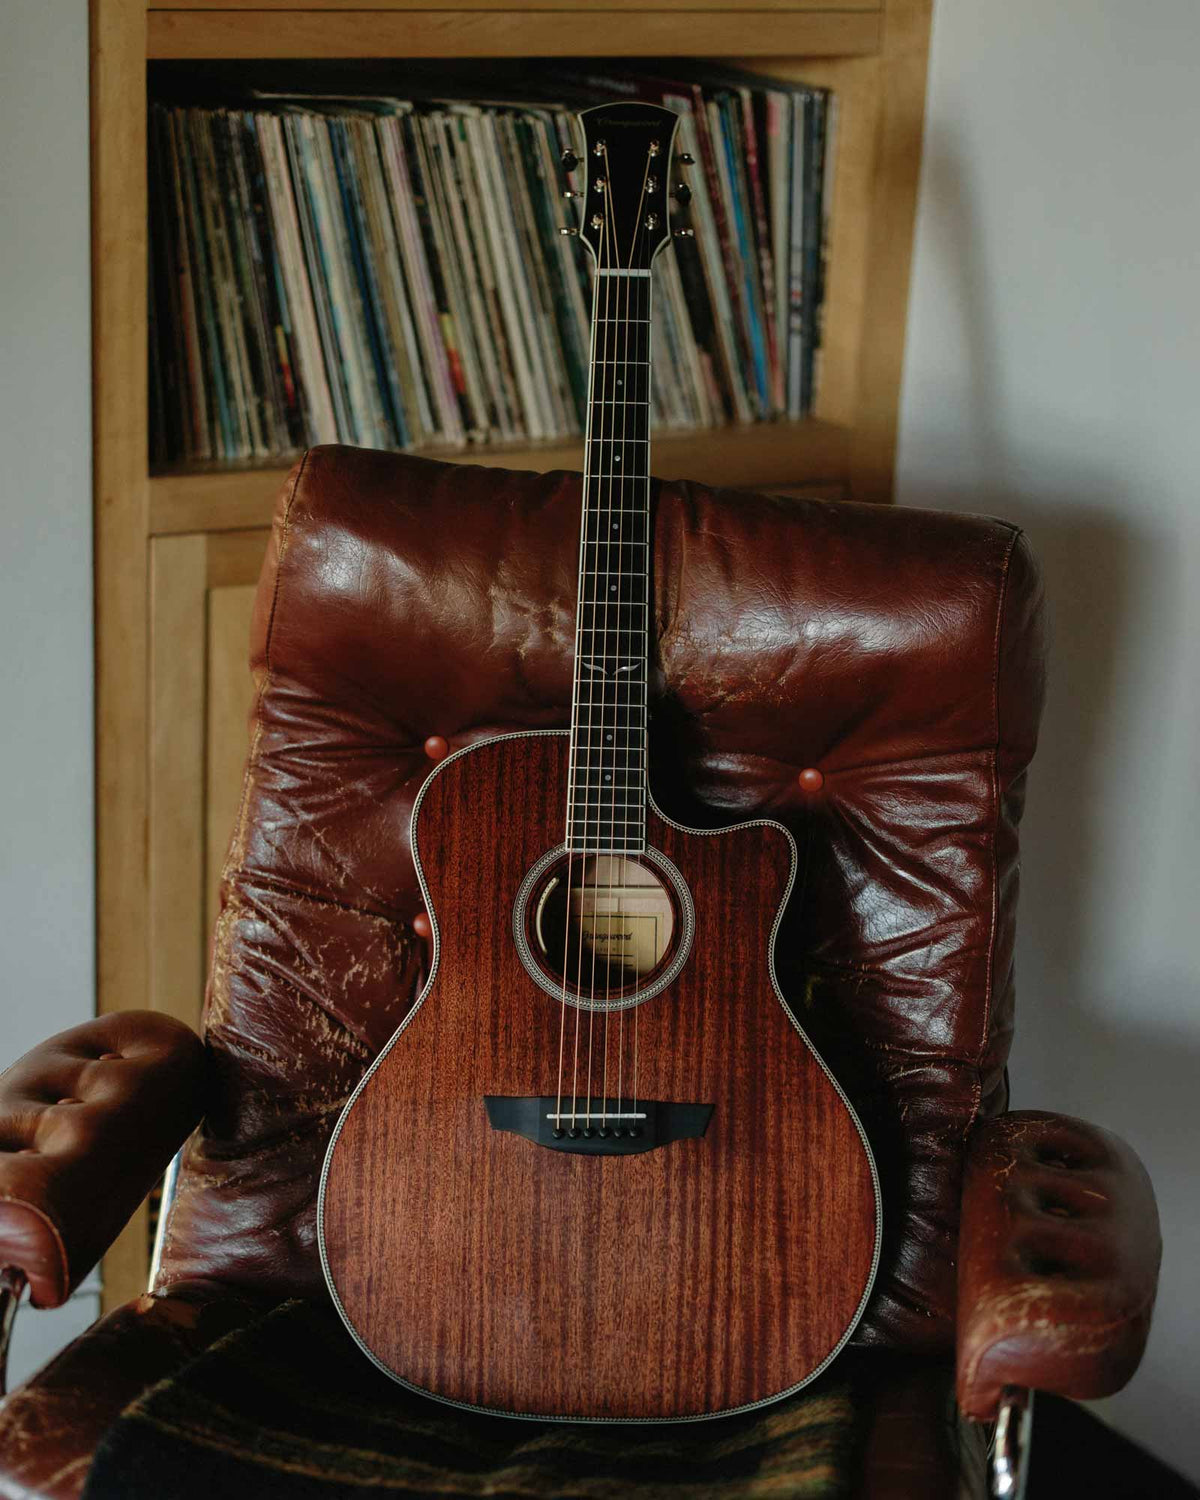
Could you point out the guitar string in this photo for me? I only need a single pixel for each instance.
(576, 709)
(608, 234)
(613, 658)
(644, 635)
(609, 681)
(590, 491)
(627, 367)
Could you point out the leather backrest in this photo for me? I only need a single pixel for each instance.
(898, 652)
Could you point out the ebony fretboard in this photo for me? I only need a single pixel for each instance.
(607, 807)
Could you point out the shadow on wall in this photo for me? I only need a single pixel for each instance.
(1096, 1033)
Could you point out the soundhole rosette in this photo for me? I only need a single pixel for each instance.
(617, 928)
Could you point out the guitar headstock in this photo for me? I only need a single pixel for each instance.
(626, 213)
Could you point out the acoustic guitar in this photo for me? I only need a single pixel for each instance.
(599, 1172)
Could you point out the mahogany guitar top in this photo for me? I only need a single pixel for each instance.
(697, 1278)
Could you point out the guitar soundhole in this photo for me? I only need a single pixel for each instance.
(608, 925)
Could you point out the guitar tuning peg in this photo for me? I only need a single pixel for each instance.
(684, 234)
(570, 193)
(568, 231)
(569, 160)
(686, 160)
(682, 194)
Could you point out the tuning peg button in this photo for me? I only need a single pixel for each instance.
(571, 193)
(569, 160)
(686, 160)
(685, 234)
(682, 193)
(568, 231)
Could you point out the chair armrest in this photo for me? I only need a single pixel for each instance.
(88, 1121)
(1059, 1251)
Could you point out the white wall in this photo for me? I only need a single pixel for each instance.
(46, 887)
(1053, 377)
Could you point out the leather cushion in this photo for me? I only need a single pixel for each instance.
(50, 1427)
(1058, 1263)
(897, 651)
(88, 1120)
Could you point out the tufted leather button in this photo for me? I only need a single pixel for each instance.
(810, 779)
(436, 747)
(422, 926)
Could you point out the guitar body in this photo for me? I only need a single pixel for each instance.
(578, 1277)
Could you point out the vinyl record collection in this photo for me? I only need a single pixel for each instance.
(390, 273)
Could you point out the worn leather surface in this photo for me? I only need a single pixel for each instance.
(88, 1121)
(916, 1445)
(897, 651)
(50, 1427)
(1058, 1263)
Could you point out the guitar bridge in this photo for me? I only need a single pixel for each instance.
(616, 1127)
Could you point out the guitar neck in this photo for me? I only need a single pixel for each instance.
(606, 808)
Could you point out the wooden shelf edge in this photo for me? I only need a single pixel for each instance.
(296, 34)
(787, 454)
(563, 9)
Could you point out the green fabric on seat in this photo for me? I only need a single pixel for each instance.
(288, 1408)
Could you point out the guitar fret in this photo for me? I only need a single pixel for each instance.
(604, 764)
(600, 776)
(603, 801)
(604, 827)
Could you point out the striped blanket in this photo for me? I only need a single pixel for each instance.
(287, 1408)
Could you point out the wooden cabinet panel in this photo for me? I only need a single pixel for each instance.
(228, 699)
(511, 33)
(202, 590)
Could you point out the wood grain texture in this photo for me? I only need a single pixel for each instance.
(178, 664)
(699, 1277)
(228, 497)
(896, 177)
(253, 33)
(228, 700)
(561, 10)
(119, 421)
(202, 591)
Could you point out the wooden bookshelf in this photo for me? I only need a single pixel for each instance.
(760, 456)
(177, 553)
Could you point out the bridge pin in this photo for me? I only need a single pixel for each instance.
(574, 1132)
(635, 1131)
(559, 1133)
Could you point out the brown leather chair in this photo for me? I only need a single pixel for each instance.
(894, 655)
